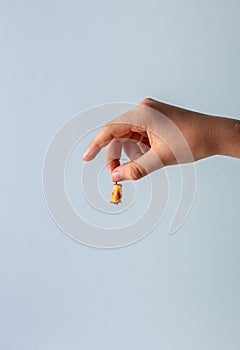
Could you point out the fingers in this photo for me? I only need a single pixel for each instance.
(110, 131)
(132, 150)
(137, 168)
(103, 138)
(113, 155)
(143, 144)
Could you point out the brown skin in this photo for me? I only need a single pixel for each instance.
(144, 131)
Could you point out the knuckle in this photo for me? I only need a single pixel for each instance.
(147, 101)
(108, 124)
(107, 127)
(135, 172)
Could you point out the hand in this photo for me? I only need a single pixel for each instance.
(155, 134)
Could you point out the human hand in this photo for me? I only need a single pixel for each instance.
(154, 134)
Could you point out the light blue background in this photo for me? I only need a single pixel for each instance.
(165, 292)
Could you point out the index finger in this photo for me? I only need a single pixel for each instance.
(110, 131)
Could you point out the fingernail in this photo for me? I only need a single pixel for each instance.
(116, 176)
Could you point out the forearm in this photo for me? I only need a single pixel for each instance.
(225, 138)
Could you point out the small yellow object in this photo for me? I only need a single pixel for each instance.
(116, 193)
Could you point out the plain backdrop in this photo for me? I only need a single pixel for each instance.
(177, 292)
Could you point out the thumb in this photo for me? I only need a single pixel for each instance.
(138, 168)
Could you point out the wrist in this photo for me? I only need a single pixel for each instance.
(225, 137)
